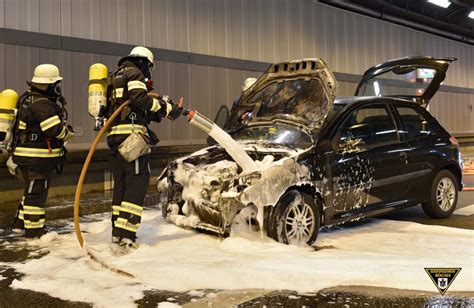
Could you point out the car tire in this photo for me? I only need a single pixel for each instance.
(295, 219)
(443, 196)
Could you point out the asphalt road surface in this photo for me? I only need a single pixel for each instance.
(341, 296)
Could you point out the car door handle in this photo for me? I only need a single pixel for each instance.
(403, 156)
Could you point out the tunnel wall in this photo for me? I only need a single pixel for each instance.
(260, 31)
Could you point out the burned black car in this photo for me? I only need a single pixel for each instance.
(319, 160)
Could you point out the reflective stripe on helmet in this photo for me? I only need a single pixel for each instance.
(50, 122)
(35, 152)
(136, 84)
(126, 129)
(156, 105)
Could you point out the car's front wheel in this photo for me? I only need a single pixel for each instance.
(295, 219)
(443, 197)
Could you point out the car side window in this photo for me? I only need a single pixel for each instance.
(414, 123)
(368, 126)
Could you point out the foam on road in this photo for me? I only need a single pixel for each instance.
(381, 253)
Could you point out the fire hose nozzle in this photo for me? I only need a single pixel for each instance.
(200, 121)
(186, 112)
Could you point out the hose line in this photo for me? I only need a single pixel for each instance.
(77, 197)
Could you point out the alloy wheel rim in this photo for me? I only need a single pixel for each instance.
(445, 194)
(299, 222)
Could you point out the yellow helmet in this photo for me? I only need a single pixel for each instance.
(46, 74)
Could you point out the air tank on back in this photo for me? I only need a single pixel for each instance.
(97, 96)
(8, 112)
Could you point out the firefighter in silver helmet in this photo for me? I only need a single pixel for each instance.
(131, 171)
(234, 115)
(40, 133)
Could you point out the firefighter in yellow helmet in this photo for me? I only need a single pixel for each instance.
(40, 134)
(131, 173)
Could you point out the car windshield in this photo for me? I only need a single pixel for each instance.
(278, 133)
(402, 81)
(300, 99)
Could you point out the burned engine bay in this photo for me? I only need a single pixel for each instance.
(208, 189)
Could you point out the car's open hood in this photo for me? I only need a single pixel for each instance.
(301, 90)
(416, 78)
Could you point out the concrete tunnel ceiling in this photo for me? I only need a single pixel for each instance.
(452, 22)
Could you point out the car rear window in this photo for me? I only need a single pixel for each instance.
(372, 125)
(414, 123)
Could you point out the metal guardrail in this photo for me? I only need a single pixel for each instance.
(160, 156)
(465, 139)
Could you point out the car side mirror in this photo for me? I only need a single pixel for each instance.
(220, 120)
(424, 125)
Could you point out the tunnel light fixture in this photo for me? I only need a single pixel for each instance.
(442, 3)
(471, 15)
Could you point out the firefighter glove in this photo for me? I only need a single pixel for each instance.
(175, 112)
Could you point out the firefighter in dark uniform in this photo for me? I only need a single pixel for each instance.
(132, 81)
(40, 134)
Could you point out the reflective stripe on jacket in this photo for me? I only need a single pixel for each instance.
(129, 83)
(41, 130)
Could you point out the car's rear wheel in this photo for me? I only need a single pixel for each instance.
(443, 197)
(295, 219)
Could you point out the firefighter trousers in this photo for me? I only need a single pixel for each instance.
(31, 212)
(131, 182)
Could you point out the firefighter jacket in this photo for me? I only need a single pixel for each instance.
(41, 131)
(129, 83)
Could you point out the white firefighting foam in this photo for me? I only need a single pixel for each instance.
(379, 253)
(233, 148)
(274, 178)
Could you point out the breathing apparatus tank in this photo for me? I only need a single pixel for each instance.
(97, 100)
(8, 112)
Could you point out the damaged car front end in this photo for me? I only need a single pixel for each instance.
(207, 191)
(277, 124)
